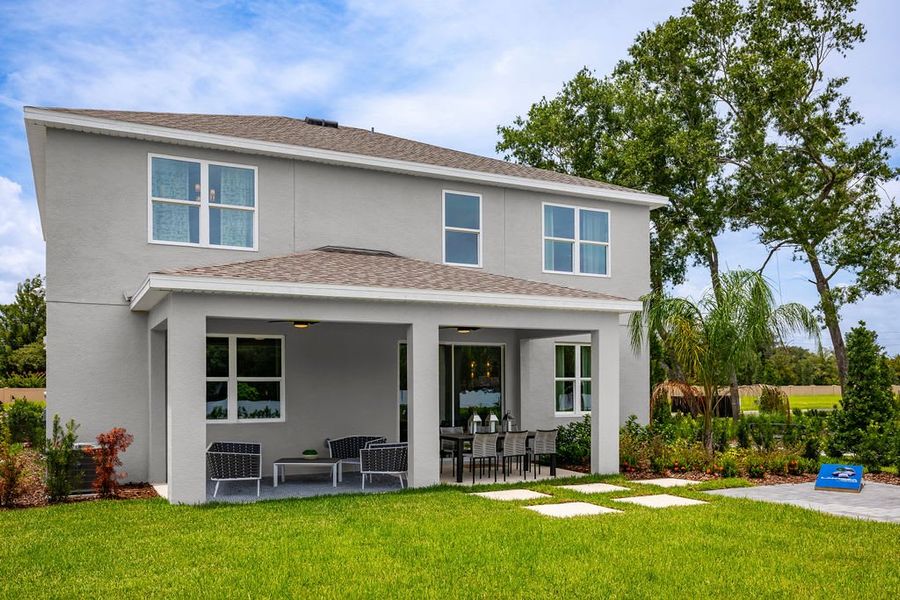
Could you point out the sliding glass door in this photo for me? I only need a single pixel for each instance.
(471, 381)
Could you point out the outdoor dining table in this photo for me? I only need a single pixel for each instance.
(461, 438)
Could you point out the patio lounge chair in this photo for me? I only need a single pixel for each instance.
(346, 449)
(384, 459)
(234, 461)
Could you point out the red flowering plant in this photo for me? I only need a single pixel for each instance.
(106, 459)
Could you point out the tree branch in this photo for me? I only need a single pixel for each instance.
(772, 252)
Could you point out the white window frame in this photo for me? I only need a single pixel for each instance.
(576, 241)
(204, 204)
(445, 228)
(576, 383)
(233, 379)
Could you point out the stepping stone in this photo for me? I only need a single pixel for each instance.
(660, 501)
(594, 488)
(571, 509)
(667, 482)
(511, 495)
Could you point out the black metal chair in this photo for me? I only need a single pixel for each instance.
(347, 448)
(384, 459)
(234, 461)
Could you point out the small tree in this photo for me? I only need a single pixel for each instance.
(720, 334)
(867, 402)
(62, 456)
(106, 459)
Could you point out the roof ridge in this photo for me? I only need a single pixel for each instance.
(351, 140)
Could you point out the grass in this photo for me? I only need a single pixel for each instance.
(825, 401)
(442, 542)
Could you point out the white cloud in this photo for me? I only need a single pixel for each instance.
(21, 245)
(446, 73)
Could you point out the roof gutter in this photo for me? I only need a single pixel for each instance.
(157, 286)
(50, 118)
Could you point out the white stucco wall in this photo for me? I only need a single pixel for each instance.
(95, 223)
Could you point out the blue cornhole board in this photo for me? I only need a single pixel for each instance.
(840, 478)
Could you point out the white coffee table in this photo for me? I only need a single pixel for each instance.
(320, 461)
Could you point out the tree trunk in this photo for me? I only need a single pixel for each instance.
(712, 259)
(830, 314)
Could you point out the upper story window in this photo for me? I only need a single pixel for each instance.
(202, 203)
(462, 229)
(576, 240)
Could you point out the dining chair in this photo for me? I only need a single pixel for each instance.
(515, 446)
(448, 448)
(484, 448)
(543, 444)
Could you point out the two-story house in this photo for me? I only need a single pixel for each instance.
(279, 280)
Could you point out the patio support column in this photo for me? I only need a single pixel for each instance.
(605, 396)
(423, 404)
(185, 412)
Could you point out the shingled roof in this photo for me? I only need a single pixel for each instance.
(352, 140)
(352, 267)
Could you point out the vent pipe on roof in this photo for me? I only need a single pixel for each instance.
(320, 122)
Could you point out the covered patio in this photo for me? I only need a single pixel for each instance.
(361, 315)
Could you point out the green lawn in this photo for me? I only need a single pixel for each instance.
(441, 542)
(804, 402)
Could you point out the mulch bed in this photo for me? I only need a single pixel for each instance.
(35, 497)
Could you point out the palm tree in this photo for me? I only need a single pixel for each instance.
(719, 334)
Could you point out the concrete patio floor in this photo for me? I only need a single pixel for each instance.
(876, 501)
(319, 484)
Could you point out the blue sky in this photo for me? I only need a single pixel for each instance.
(441, 72)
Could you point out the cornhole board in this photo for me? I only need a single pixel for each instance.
(840, 478)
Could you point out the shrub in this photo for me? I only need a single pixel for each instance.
(106, 459)
(662, 412)
(659, 455)
(729, 466)
(896, 446)
(686, 427)
(62, 457)
(26, 421)
(756, 467)
(776, 464)
(689, 456)
(722, 434)
(772, 400)
(11, 467)
(573, 442)
(874, 447)
(808, 465)
(743, 433)
(763, 433)
(866, 397)
(26, 380)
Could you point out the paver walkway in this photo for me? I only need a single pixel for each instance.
(876, 501)
(660, 501)
(667, 482)
(594, 488)
(508, 495)
(571, 509)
